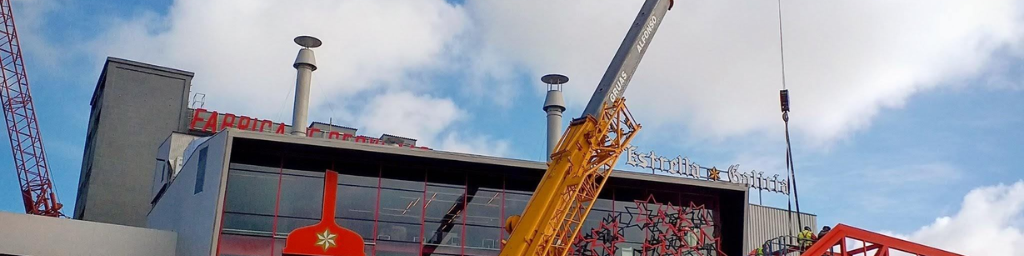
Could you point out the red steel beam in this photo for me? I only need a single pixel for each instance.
(865, 249)
(841, 232)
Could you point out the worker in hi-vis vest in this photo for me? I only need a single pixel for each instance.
(806, 237)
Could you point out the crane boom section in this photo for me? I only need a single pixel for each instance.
(586, 154)
(627, 58)
(30, 163)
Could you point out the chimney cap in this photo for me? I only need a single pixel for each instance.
(308, 41)
(554, 79)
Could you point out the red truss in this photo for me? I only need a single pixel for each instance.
(668, 229)
(22, 127)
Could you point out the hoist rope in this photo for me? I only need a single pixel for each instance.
(789, 149)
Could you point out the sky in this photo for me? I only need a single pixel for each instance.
(906, 114)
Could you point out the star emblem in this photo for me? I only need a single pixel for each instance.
(326, 239)
(713, 174)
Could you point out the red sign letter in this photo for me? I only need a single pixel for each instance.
(229, 121)
(195, 118)
(310, 131)
(211, 123)
(267, 123)
(243, 122)
(280, 129)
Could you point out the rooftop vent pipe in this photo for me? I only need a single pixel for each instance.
(554, 105)
(305, 64)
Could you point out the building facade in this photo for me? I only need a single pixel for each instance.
(227, 184)
(259, 187)
(134, 107)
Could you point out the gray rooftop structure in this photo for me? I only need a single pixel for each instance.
(134, 107)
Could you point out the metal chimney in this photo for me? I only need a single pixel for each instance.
(554, 105)
(305, 64)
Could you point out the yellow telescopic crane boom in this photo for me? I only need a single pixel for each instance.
(586, 153)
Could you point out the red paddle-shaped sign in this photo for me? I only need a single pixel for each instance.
(325, 238)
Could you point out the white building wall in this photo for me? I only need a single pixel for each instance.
(194, 215)
(23, 234)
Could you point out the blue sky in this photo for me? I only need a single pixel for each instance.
(893, 124)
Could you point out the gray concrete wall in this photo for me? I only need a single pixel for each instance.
(169, 160)
(194, 216)
(135, 106)
(764, 223)
(24, 234)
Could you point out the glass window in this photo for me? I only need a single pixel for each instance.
(356, 202)
(515, 203)
(484, 208)
(483, 237)
(301, 196)
(398, 232)
(362, 227)
(358, 180)
(446, 234)
(443, 218)
(251, 192)
(401, 206)
(201, 171)
(249, 222)
(403, 178)
(286, 225)
(445, 204)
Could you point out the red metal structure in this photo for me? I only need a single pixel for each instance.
(876, 244)
(848, 241)
(22, 127)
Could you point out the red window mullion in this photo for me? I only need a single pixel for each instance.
(501, 233)
(423, 211)
(277, 205)
(647, 194)
(376, 211)
(464, 212)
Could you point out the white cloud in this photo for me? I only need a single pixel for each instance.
(712, 64)
(30, 20)
(479, 145)
(371, 68)
(241, 50)
(716, 63)
(990, 222)
(408, 115)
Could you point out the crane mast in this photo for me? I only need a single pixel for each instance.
(22, 127)
(586, 153)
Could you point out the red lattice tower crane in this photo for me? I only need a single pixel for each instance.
(22, 126)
